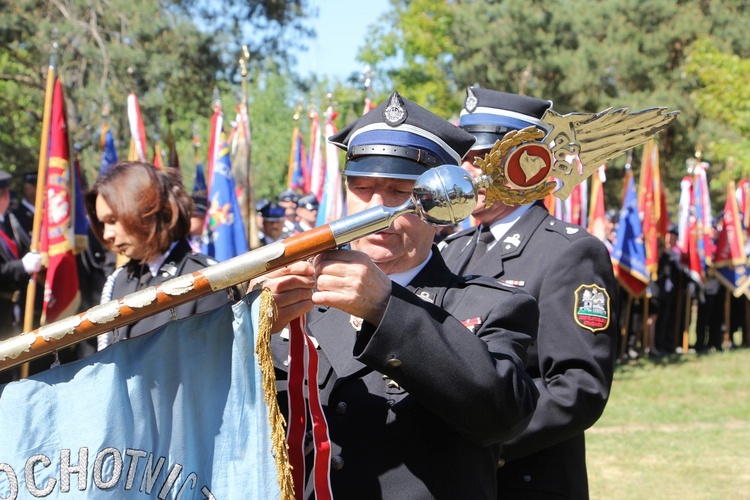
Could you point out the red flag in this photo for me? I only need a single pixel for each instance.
(653, 206)
(730, 247)
(298, 175)
(316, 164)
(575, 207)
(597, 217)
(157, 161)
(137, 131)
(61, 292)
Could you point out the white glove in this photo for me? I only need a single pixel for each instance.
(32, 262)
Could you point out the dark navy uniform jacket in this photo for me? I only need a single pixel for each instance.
(180, 261)
(417, 405)
(569, 272)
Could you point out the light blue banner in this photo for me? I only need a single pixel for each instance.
(178, 413)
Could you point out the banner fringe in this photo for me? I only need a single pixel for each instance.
(268, 313)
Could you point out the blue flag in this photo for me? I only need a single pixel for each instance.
(629, 252)
(199, 183)
(109, 151)
(224, 235)
(179, 412)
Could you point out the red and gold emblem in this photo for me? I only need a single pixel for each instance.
(528, 165)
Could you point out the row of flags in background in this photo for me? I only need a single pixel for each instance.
(64, 226)
(644, 220)
(224, 230)
(318, 173)
(224, 448)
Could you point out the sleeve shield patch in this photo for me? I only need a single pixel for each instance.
(592, 307)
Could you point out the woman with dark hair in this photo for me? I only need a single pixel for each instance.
(143, 213)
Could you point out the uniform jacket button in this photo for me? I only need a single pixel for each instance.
(394, 362)
(501, 463)
(337, 463)
(340, 408)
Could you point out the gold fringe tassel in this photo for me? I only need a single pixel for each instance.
(268, 313)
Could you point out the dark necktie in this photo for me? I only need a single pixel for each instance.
(484, 239)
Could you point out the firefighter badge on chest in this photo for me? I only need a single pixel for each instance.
(592, 307)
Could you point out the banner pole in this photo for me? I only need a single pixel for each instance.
(41, 182)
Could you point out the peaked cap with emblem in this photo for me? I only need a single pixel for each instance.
(309, 202)
(400, 140)
(272, 212)
(490, 114)
(5, 178)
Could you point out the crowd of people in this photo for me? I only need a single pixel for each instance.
(475, 365)
(661, 322)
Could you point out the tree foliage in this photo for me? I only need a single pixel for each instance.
(171, 53)
(584, 56)
(413, 47)
(722, 98)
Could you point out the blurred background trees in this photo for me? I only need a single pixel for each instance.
(691, 55)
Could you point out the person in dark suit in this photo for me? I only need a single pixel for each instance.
(669, 277)
(15, 269)
(274, 219)
(26, 209)
(569, 272)
(420, 376)
(144, 214)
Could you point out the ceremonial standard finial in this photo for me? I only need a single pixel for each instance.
(216, 99)
(243, 61)
(298, 110)
(697, 160)
(519, 166)
(106, 109)
(366, 77)
(54, 48)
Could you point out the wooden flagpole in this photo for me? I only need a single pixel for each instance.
(727, 340)
(251, 224)
(646, 338)
(625, 326)
(685, 337)
(41, 182)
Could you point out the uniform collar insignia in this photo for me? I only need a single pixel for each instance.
(511, 242)
(356, 322)
(425, 295)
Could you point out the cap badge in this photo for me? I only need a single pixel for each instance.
(471, 101)
(394, 113)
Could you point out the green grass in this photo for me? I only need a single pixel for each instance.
(675, 428)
